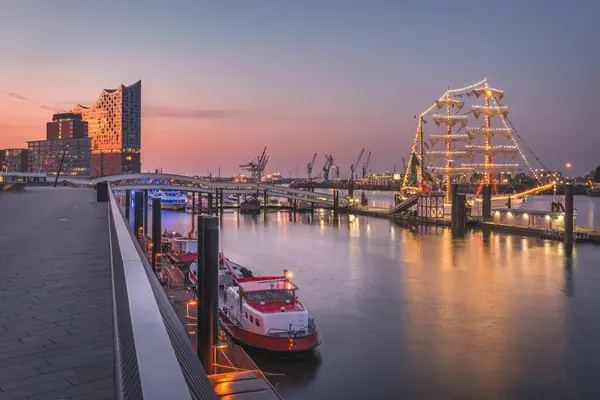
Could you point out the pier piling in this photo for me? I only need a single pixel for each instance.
(569, 225)
(208, 304)
(102, 192)
(209, 205)
(265, 200)
(127, 204)
(486, 211)
(138, 213)
(156, 231)
(458, 222)
(146, 212)
(193, 211)
(221, 200)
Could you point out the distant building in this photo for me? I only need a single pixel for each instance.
(66, 126)
(45, 156)
(114, 129)
(14, 160)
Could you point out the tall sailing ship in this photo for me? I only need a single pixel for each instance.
(465, 137)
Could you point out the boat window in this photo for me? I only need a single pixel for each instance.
(271, 295)
(246, 315)
(251, 318)
(257, 321)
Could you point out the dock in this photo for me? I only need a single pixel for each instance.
(56, 327)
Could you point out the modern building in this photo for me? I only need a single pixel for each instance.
(66, 126)
(114, 129)
(14, 160)
(46, 155)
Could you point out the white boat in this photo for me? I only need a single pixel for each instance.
(169, 200)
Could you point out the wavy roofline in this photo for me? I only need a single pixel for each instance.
(109, 91)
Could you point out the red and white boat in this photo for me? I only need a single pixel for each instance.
(182, 251)
(264, 312)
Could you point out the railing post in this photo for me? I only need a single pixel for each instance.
(208, 302)
(569, 225)
(127, 204)
(156, 231)
(138, 213)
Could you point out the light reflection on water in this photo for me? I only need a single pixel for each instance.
(413, 313)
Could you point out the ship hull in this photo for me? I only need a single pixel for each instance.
(278, 345)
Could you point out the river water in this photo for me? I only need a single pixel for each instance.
(417, 314)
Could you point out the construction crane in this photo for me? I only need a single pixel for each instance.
(257, 166)
(309, 167)
(327, 167)
(366, 165)
(353, 166)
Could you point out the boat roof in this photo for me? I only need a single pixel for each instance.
(260, 284)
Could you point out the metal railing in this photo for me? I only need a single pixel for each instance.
(154, 358)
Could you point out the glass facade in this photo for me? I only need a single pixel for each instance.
(45, 156)
(114, 129)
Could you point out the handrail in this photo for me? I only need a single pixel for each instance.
(146, 361)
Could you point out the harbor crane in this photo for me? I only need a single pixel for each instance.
(366, 165)
(257, 166)
(353, 166)
(327, 167)
(309, 167)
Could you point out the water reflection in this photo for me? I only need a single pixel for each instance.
(418, 314)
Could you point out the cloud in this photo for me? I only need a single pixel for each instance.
(187, 113)
(50, 108)
(17, 96)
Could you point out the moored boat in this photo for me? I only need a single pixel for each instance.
(169, 200)
(264, 312)
(182, 250)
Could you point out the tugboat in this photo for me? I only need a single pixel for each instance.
(182, 251)
(264, 312)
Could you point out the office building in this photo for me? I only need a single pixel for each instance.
(14, 160)
(114, 129)
(66, 126)
(46, 155)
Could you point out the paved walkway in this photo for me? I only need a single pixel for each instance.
(56, 329)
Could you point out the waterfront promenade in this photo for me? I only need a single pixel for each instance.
(56, 326)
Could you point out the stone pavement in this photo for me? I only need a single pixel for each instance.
(56, 328)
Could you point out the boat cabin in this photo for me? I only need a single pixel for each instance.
(184, 245)
(266, 306)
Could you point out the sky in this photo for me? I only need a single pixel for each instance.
(221, 80)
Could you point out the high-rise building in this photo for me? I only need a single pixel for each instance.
(15, 160)
(66, 126)
(46, 156)
(114, 129)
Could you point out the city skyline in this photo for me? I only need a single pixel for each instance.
(220, 82)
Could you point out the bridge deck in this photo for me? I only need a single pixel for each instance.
(56, 329)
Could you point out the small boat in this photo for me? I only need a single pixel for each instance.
(264, 312)
(250, 206)
(182, 251)
(169, 200)
(594, 191)
(225, 276)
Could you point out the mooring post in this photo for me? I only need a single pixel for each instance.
(138, 213)
(209, 204)
(509, 202)
(458, 216)
(295, 205)
(351, 189)
(486, 212)
(199, 205)
(569, 223)
(265, 200)
(336, 200)
(102, 192)
(146, 205)
(127, 204)
(193, 211)
(156, 231)
(209, 298)
(200, 287)
(216, 200)
(221, 200)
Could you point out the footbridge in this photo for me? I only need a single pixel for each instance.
(184, 183)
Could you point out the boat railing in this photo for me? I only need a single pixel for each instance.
(153, 357)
